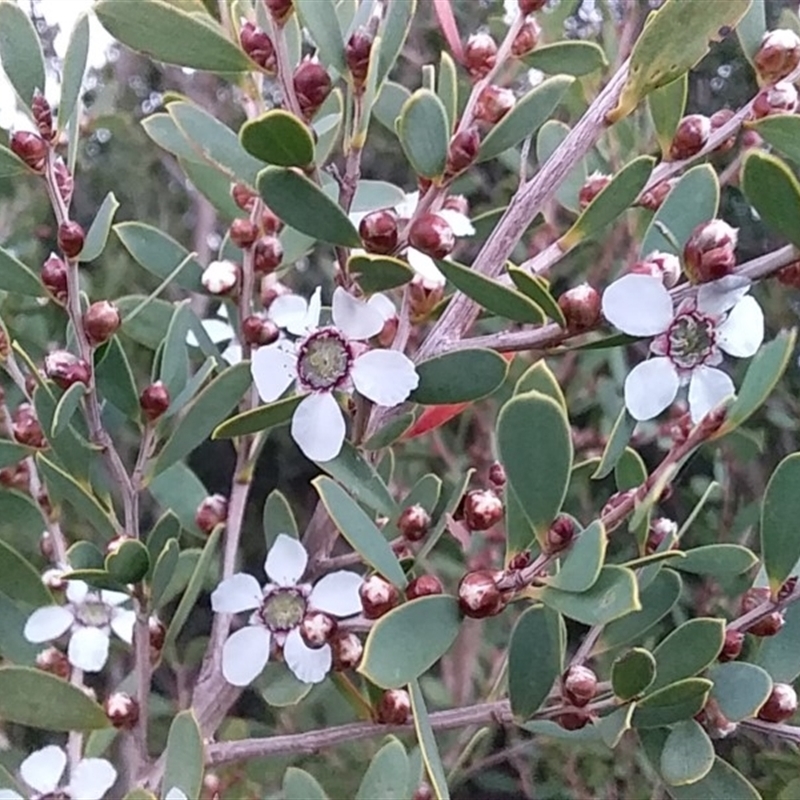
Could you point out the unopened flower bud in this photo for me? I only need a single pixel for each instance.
(157, 633)
(778, 99)
(529, 6)
(258, 46)
(433, 235)
(280, 10)
(651, 199)
(54, 277)
(790, 275)
(497, 475)
(243, 196)
(378, 596)
(771, 622)
(520, 560)
(272, 289)
(388, 331)
(595, 184)
(731, 646)
(317, 628)
(271, 223)
(751, 139)
(55, 662)
(526, 39)
(690, 137)
(574, 720)
(664, 266)
(243, 232)
(25, 427)
(710, 252)
(71, 238)
(212, 511)
(424, 296)
(494, 103)
(423, 586)
(30, 148)
(581, 307)
(378, 231)
(778, 55)
(312, 84)
(578, 685)
(356, 55)
(463, 150)
(714, 721)
(346, 650)
(480, 55)
(65, 369)
(482, 509)
(267, 254)
(660, 529)
(787, 588)
(258, 331)
(780, 705)
(718, 120)
(154, 400)
(53, 579)
(560, 534)
(394, 707)
(220, 277)
(478, 595)
(423, 792)
(101, 321)
(42, 115)
(122, 710)
(414, 523)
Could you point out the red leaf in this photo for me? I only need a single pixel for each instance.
(434, 417)
(447, 22)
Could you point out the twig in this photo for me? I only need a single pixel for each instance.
(789, 732)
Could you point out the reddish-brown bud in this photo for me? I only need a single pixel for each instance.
(574, 720)
(312, 85)
(101, 321)
(480, 55)
(478, 595)
(212, 511)
(433, 235)
(578, 685)
(55, 662)
(258, 331)
(346, 650)
(157, 633)
(154, 400)
(718, 120)
(53, 579)
(388, 331)
(770, 623)
(781, 704)
(243, 196)
(482, 509)
(267, 254)
(423, 792)
(520, 560)
(243, 232)
(714, 721)
(378, 231)
(378, 596)
(356, 55)
(220, 277)
(494, 103)
(778, 55)
(595, 184)
(258, 46)
(497, 475)
(64, 180)
(654, 197)
(70, 238)
(42, 115)
(778, 99)
(581, 307)
(526, 39)
(664, 266)
(463, 149)
(414, 523)
(660, 529)
(790, 275)
(751, 138)
(54, 277)
(280, 10)
(690, 137)
(271, 223)
(424, 296)
(122, 710)
(787, 588)
(710, 252)
(66, 369)
(394, 707)
(317, 629)
(529, 6)
(271, 289)
(25, 427)
(30, 148)
(560, 534)
(732, 646)
(423, 586)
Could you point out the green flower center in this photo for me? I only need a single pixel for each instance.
(283, 610)
(93, 614)
(324, 360)
(691, 337)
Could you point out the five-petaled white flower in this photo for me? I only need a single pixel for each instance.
(90, 616)
(689, 340)
(219, 330)
(43, 769)
(329, 359)
(278, 609)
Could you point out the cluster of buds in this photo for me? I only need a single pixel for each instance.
(481, 509)
(212, 511)
(595, 184)
(432, 235)
(414, 523)
(497, 475)
(526, 39)
(479, 595)
(243, 196)
(154, 401)
(378, 231)
(778, 99)
(778, 55)
(258, 47)
(394, 707)
(771, 622)
(423, 586)
(731, 646)
(463, 150)
(346, 651)
(66, 369)
(710, 251)
(267, 254)
(271, 289)
(790, 275)
(578, 686)
(660, 529)
(653, 198)
(71, 237)
(480, 55)
(580, 307)
(317, 629)
(494, 102)
(25, 427)
(357, 53)
(560, 534)
(221, 277)
(122, 710)
(30, 148)
(52, 660)
(43, 116)
(691, 136)
(243, 233)
(664, 266)
(378, 596)
(258, 330)
(17, 476)
(101, 321)
(54, 277)
(780, 705)
(312, 85)
(280, 10)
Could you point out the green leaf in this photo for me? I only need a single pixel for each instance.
(14, 275)
(174, 371)
(445, 508)
(572, 58)
(540, 378)
(387, 774)
(21, 52)
(159, 254)
(114, 378)
(299, 785)
(688, 754)
(164, 131)
(11, 165)
(674, 39)
(427, 743)
(278, 137)
(447, 87)
(139, 794)
(96, 578)
(671, 704)
(129, 563)
(279, 688)
(184, 756)
(538, 289)
(723, 782)
(751, 29)
(780, 510)
(782, 131)
(667, 105)
(549, 138)
(11, 453)
(688, 650)
(740, 689)
(774, 192)
(491, 294)
(613, 595)
(180, 491)
(261, 418)
(390, 433)
(379, 273)
(388, 104)
(66, 408)
(616, 445)
(73, 69)
(779, 655)
(580, 567)
(40, 700)
(693, 199)
(214, 185)
(305, 207)
(164, 570)
(529, 112)
(409, 640)
(717, 560)
(535, 658)
(149, 325)
(85, 555)
(97, 235)
(615, 198)
(460, 376)
(14, 647)
(612, 726)
(278, 517)
(633, 673)
(424, 133)
(535, 446)
(319, 18)
(20, 579)
(168, 34)
(204, 413)
(393, 33)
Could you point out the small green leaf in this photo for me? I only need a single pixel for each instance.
(11, 453)
(538, 289)
(97, 235)
(535, 658)
(261, 418)
(688, 754)
(180, 491)
(378, 273)
(393, 32)
(612, 726)
(145, 320)
(667, 105)
(390, 433)
(580, 567)
(774, 192)
(320, 20)
(164, 131)
(214, 185)
(723, 782)
(445, 508)
(779, 655)
(548, 140)
(278, 517)
(388, 104)
(740, 689)
(409, 640)
(40, 700)
(11, 165)
(717, 560)
(163, 572)
(461, 376)
(688, 650)
(299, 785)
(114, 378)
(20, 580)
(66, 408)
(387, 775)
(572, 58)
(633, 673)
(751, 29)
(129, 563)
(427, 743)
(447, 87)
(616, 445)
(96, 578)
(671, 704)
(540, 378)
(14, 275)
(174, 371)
(73, 70)
(21, 52)
(780, 544)
(85, 555)
(782, 131)
(184, 756)
(424, 134)
(278, 137)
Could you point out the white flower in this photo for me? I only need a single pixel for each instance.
(220, 277)
(90, 616)
(329, 359)
(175, 793)
(689, 340)
(278, 609)
(219, 330)
(43, 769)
(510, 11)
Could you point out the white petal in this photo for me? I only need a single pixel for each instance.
(707, 389)
(424, 267)
(308, 666)
(42, 769)
(240, 592)
(10, 794)
(113, 598)
(77, 591)
(122, 621)
(383, 305)
(92, 778)
(88, 649)
(337, 594)
(720, 296)
(459, 223)
(743, 331)
(650, 387)
(286, 562)
(638, 305)
(48, 623)
(245, 654)
(318, 427)
(355, 318)
(273, 369)
(289, 311)
(314, 309)
(175, 794)
(408, 206)
(217, 330)
(386, 377)
(232, 354)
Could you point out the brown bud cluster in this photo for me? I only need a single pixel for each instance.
(258, 330)
(378, 596)
(690, 137)
(731, 646)
(718, 120)
(356, 55)
(651, 199)
(122, 710)
(580, 307)
(101, 321)
(433, 235)
(560, 534)
(423, 586)
(595, 184)
(43, 116)
(66, 369)
(482, 508)
(312, 85)
(317, 629)
(664, 266)
(770, 623)
(243, 232)
(394, 707)
(414, 523)
(710, 251)
(526, 39)
(258, 47)
(780, 705)
(479, 596)
(267, 254)
(30, 148)
(378, 231)
(778, 99)
(212, 511)
(54, 277)
(494, 102)
(480, 55)
(243, 196)
(70, 238)
(25, 427)
(497, 475)
(55, 662)
(346, 650)
(154, 400)
(578, 685)
(280, 10)
(463, 150)
(778, 55)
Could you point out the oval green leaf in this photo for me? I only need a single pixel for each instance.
(379, 273)
(633, 673)
(780, 511)
(20, 580)
(320, 20)
(717, 560)
(740, 689)
(184, 756)
(462, 376)
(261, 418)
(688, 754)
(21, 52)
(666, 109)
(571, 58)
(779, 655)
(387, 774)
(774, 192)
(782, 131)
(688, 650)
(16, 277)
(97, 235)
(671, 704)
(424, 133)
(580, 567)
(538, 289)
(299, 785)
(427, 744)
(129, 563)
(278, 137)
(73, 70)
